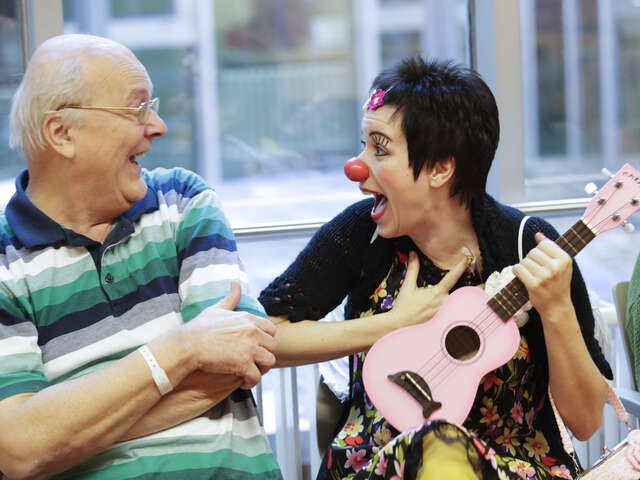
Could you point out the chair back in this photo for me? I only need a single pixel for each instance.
(620, 292)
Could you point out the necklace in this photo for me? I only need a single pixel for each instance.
(472, 262)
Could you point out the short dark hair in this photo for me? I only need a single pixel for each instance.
(448, 111)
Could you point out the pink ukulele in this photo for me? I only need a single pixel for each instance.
(433, 369)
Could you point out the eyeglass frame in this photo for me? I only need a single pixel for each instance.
(143, 109)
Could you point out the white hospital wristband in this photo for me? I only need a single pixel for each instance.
(157, 372)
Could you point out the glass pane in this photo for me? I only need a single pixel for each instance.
(581, 107)
(262, 96)
(128, 8)
(552, 113)
(628, 15)
(10, 75)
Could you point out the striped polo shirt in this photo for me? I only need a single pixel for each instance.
(70, 305)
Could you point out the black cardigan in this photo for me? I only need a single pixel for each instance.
(340, 261)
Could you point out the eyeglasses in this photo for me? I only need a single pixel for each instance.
(142, 111)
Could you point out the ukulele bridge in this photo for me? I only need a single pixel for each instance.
(415, 385)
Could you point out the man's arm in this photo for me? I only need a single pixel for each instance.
(197, 393)
(67, 423)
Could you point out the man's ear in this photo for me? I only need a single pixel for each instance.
(442, 172)
(58, 135)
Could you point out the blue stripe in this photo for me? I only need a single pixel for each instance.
(201, 244)
(84, 318)
(187, 184)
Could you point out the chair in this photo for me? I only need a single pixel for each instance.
(629, 398)
(328, 413)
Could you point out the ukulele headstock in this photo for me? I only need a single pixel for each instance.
(616, 201)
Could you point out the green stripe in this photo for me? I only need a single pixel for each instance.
(31, 361)
(13, 303)
(200, 209)
(150, 242)
(202, 222)
(77, 261)
(176, 462)
(29, 386)
(193, 309)
(92, 366)
(61, 294)
(144, 268)
(83, 298)
(216, 474)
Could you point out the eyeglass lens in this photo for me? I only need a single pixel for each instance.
(146, 107)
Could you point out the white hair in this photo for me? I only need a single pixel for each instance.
(55, 77)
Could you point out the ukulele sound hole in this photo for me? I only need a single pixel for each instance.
(462, 342)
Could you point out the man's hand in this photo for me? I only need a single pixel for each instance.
(235, 343)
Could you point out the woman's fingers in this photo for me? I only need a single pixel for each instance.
(453, 275)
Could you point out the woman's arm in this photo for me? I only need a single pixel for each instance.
(309, 341)
(576, 383)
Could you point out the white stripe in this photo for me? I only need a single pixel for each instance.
(199, 426)
(49, 258)
(157, 218)
(204, 275)
(122, 340)
(15, 345)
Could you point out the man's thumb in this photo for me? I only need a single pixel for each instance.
(230, 302)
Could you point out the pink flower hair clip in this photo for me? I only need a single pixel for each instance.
(376, 100)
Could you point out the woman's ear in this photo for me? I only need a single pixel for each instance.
(58, 135)
(442, 172)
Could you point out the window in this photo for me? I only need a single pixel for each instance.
(263, 99)
(580, 71)
(261, 96)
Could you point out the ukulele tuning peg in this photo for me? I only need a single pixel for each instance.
(590, 188)
(607, 172)
(628, 227)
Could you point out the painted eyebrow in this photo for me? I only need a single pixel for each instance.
(376, 132)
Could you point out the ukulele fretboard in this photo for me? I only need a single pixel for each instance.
(514, 295)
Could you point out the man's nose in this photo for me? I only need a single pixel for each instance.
(155, 125)
(356, 170)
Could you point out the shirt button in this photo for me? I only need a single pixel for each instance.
(108, 278)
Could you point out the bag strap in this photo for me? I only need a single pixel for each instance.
(520, 233)
(615, 402)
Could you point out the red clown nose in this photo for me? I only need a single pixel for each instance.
(356, 170)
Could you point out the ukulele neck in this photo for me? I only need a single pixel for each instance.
(514, 295)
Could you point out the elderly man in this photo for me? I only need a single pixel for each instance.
(124, 334)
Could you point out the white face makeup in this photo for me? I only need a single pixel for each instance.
(401, 201)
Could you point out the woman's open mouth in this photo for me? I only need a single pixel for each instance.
(379, 205)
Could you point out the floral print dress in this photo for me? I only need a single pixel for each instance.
(507, 435)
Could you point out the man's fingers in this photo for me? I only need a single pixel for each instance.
(265, 325)
(453, 275)
(251, 378)
(265, 360)
(230, 302)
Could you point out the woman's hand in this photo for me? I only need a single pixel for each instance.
(415, 304)
(546, 273)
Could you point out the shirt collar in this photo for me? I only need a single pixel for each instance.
(34, 228)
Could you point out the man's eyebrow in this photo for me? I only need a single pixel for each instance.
(137, 93)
